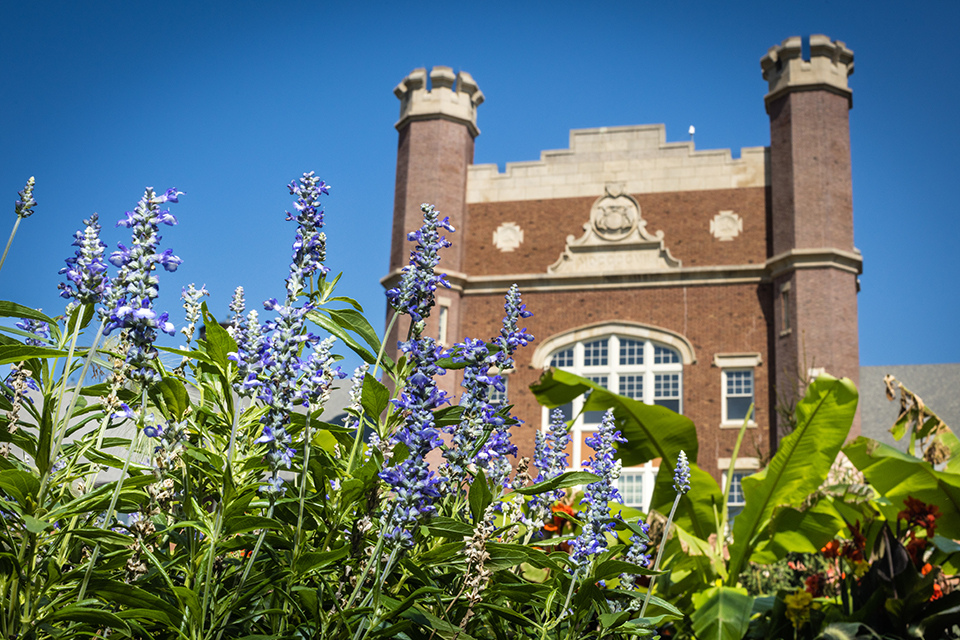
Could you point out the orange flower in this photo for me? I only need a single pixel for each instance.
(918, 513)
(937, 592)
(831, 550)
(927, 568)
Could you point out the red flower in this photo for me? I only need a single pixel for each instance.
(918, 513)
(831, 550)
(815, 584)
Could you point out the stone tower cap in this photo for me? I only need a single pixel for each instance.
(827, 69)
(450, 97)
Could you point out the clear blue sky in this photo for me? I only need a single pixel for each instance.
(229, 101)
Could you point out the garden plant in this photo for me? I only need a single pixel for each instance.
(216, 498)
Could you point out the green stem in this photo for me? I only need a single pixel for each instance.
(722, 529)
(663, 544)
(383, 343)
(246, 571)
(134, 443)
(303, 486)
(10, 241)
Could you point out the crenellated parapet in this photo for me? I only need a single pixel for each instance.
(830, 63)
(450, 97)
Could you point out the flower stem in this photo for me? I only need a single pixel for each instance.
(663, 543)
(10, 241)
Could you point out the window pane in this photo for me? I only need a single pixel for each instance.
(673, 405)
(736, 489)
(663, 355)
(740, 383)
(498, 397)
(563, 358)
(595, 353)
(630, 485)
(666, 385)
(737, 407)
(594, 417)
(632, 387)
(631, 351)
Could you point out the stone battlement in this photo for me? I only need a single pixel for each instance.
(830, 63)
(450, 97)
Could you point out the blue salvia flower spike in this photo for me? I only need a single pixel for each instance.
(86, 270)
(129, 297)
(598, 495)
(681, 475)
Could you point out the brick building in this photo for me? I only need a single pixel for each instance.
(679, 276)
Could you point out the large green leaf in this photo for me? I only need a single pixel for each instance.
(800, 465)
(10, 353)
(897, 475)
(14, 310)
(721, 613)
(792, 530)
(651, 432)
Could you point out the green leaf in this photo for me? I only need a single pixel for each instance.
(355, 321)
(563, 481)
(800, 465)
(82, 314)
(98, 617)
(335, 329)
(171, 396)
(721, 613)
(792, 530)
(651, 432)
(10, 353)
(479, 497)
(14, 310)
(374, 396)
(218, 341)
(243, 524)
(36, 525)
(610, 568)
(511, 555)
(19, 484)
(897, 475)
(320, 559)
(131, 596)
(445, 527)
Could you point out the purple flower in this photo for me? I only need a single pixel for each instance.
(415, 486)
(36, 327)
(191, 305)
(310, 243)
(550, 458)
(237, 306)
(129, 298)
(598, 495)
(681, 475)
(635, 554)
(418, 281)
(86, 269)
(26, 203)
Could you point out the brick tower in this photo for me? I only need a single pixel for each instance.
(814, 264)
(437, 126)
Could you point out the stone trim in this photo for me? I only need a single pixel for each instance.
(541, 355)
(723, 464)
(788, 261)
(639, 157)
(451, 97)
(737, 360)
(785, 70)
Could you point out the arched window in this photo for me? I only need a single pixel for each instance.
(636, 361)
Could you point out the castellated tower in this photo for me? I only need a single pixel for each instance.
(437, 126)
(814, 265)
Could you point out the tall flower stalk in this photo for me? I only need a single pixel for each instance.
(550, 458)
(681, 484)
(24, 209)
(416, 487)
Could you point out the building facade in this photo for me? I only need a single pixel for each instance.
(682, 277)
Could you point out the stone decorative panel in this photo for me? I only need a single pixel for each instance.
(508, 236)
(615, 240)
(726, 225)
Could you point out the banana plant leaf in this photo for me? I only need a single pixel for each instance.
(897, 475)
(721, 613)
(651, 432)
(800, 465)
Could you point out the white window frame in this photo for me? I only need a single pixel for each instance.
(745, 466)
(730, 362)
(613, 371)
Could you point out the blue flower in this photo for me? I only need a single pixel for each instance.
(598, 495)
(681, 475)
(26, 203)
(310, 243)
(635, 554)
(36, 327)
(191, 305)
(550, 458)
(86, 269)
(418, 281)
(129, 297)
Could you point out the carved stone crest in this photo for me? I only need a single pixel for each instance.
(614, 240)
(726, 225)
(508, 236)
